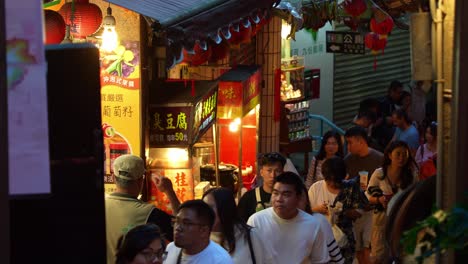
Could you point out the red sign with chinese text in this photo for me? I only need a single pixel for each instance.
(182, 182)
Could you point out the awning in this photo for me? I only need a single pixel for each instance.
(192, 20)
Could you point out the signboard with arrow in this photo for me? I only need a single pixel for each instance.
(345, 42)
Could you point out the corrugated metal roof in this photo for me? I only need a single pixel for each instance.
(167, 11)
(355, 78)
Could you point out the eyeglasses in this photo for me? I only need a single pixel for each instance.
(184, 224)
(153, 256)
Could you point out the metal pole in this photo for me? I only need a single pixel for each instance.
(216, 150)
(240, 181)
(4, 193)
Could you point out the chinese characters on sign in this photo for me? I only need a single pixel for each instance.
(205, 113)
(311, 50)
(182, 181)
(169, 126)
(345, 42)
(116, 80)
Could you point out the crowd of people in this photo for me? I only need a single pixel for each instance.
(337, 213)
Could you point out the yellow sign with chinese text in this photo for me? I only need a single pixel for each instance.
(120, 105)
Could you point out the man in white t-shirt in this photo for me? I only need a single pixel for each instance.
(192, 244)
(292, 235)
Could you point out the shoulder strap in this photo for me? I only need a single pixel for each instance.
(314, 177)
(179, 257)
(252, 254)
(258, 198)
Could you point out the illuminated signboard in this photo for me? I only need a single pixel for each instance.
(205, 113)
(169, 126)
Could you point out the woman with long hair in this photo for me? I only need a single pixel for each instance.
(332, 145)
(143, 244)
(239, 239)
(426, 154)
(398, 172)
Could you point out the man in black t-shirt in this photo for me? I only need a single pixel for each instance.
(272, 165)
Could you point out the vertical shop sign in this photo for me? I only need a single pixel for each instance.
(28, 137)
(205, 114)
(230, 99)
(120, 104)
(252, 92)
(169, 126)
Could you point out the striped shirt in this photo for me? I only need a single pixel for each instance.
(333, 249)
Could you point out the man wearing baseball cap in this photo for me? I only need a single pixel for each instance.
(123, 208)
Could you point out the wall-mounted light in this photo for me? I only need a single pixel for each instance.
(109, 35)
(285, 30)
(234, 125)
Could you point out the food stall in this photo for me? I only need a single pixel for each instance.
(181, 117)
(238, 118)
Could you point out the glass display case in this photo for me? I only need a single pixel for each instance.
(292, 79)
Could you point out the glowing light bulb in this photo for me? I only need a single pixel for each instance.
(285, 30)
(109, 39)
(233, 127)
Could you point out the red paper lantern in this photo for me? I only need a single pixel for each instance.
(219, 51)
(351, 22)
(375, 42)
(87, 18)
(355, 7)
(54, 27)
(382, 28)
(201, 56)
(243, 35)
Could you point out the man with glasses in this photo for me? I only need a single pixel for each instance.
(192, 244)
(123, 208)
(272, 165)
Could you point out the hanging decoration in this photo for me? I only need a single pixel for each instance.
(317, 14)
(219, 51)
(54, 27)
(355, 8)
(83, 17)
(201, 54)
(383, 27)
(375, 43)
(240, 33)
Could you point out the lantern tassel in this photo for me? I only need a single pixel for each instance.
(375, 63)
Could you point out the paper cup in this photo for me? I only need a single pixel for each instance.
(363, 177)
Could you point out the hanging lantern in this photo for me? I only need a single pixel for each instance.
(383, 27)
(85, 18)
(219, 51)
(54, 27)
(351, 22)
(355, 7)
(199, 55)
(239, 34)
(376, 43)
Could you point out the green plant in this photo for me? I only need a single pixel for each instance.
(440, 231)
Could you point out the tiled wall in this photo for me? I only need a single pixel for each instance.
(269, 56)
